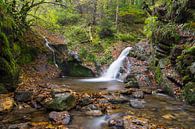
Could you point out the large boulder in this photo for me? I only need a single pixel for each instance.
(61, 101)
(75, 69)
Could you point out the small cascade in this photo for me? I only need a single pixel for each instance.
(114, 68)
(53, 51)
(113, 71)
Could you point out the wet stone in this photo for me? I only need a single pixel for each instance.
(138, 94)
(116, 123)
(135, 103)
(89, 107)
(94, 113)
(61, 101)
(60, 117)
(85, 100)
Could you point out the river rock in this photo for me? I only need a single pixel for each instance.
(85, 100)
(23, 96)
(6, 104)
(94, 113)
(60, 117)
(138, 94)
(135, 103)
(90, 107)
(128, 91)
(147, 90)
(116, 123)
(61, 101)
(118, 99)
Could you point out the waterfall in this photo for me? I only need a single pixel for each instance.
(114, 68)
(112, 72)
(52, 50)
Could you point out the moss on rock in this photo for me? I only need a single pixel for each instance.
(9, 71)
(189, 92)
(77, 70)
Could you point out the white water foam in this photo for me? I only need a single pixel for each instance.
(112, 72)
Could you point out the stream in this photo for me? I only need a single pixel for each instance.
(158, 108)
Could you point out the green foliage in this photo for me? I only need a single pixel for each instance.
(106, 29)
(189, 92)
(128, 37)
(67, 17)
(27, 55)
(158, 75)
(150, 24)
(168, 90)
(76, 35)
(87, 55)
(166, 33)
(131, 10)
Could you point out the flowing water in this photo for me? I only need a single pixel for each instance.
(155, 109)
(112, 73)
(52, 50)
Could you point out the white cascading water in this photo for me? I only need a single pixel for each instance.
(53, 52)
(113, 70)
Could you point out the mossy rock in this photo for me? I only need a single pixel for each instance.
(9, 71)
(61, 101)
(189, 92)
(75, 69)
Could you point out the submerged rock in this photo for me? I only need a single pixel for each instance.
(61, 101)
(94, 113)
(60, 117)
(135, 103)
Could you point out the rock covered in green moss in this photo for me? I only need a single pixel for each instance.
(61, 102)
(75, 69)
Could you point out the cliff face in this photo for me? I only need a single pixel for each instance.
(173, 41)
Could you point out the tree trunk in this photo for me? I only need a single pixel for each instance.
(117, 10)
